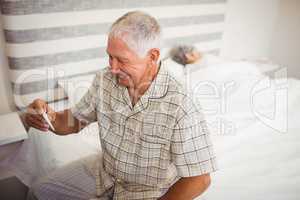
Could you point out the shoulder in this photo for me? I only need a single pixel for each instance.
(182, 97)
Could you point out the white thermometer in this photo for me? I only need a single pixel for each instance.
(45, 116)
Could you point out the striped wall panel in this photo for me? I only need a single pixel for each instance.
(47, 40)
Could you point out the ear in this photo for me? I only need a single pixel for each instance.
(154, 54)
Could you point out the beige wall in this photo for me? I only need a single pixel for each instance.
(6, 99)
(249, 27)
(285, 47)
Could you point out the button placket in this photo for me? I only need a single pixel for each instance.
(124, 135)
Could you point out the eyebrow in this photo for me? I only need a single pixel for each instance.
(120, 57)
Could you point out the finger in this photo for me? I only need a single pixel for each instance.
(37, 117)
(37, 123)
(32, 124)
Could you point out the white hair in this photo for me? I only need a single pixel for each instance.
(140, 31)
(178, 53)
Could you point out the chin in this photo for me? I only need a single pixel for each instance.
(123, 82)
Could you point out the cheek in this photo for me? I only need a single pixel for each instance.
(134, 71)
(130, 70)
(125, 70)
(138, 72)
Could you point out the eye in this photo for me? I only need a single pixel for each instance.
(124, 61)
(121, 61)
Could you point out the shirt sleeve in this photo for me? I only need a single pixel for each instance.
(85, 109)
(191, 147)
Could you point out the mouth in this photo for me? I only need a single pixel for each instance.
(121, 76)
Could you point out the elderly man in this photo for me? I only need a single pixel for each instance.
(155, 143)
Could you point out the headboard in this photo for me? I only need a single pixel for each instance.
(47, 40)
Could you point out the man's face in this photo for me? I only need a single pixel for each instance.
(125, 64)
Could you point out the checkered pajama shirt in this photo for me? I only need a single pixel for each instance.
(148, 147)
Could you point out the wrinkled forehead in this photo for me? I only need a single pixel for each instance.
(117, 47)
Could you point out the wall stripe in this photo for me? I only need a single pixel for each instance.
(39, 86)
(33, 35)
(26, 7)
(25, 22)
(58, 71)
(49, 95)
(185, 31)
(55, 59)
(193, 39)
(51, 47)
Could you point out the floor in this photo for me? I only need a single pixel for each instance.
(12, 189)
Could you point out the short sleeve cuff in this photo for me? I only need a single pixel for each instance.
(197, 169)
(75, 110)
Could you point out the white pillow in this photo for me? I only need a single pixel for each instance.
(175, 69)
(76, 87)
(225, 91)
(178, 70)
(207, 60)
(222, 88)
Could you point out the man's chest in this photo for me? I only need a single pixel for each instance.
(136, 141)
(130, 127)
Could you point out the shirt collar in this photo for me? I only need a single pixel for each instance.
(158, 89)
(159, 86)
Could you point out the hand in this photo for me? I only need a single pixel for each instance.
(34, 116)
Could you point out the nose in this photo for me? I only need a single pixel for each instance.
(114, 69)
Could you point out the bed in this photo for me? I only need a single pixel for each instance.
(253, 119)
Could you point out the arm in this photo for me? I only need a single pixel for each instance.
(67, 121)
(188, 188)
(191, 153)
(64, 122)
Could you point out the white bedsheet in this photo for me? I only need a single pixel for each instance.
(258, 163)
(256, 160)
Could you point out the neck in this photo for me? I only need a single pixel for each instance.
(138, 90)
